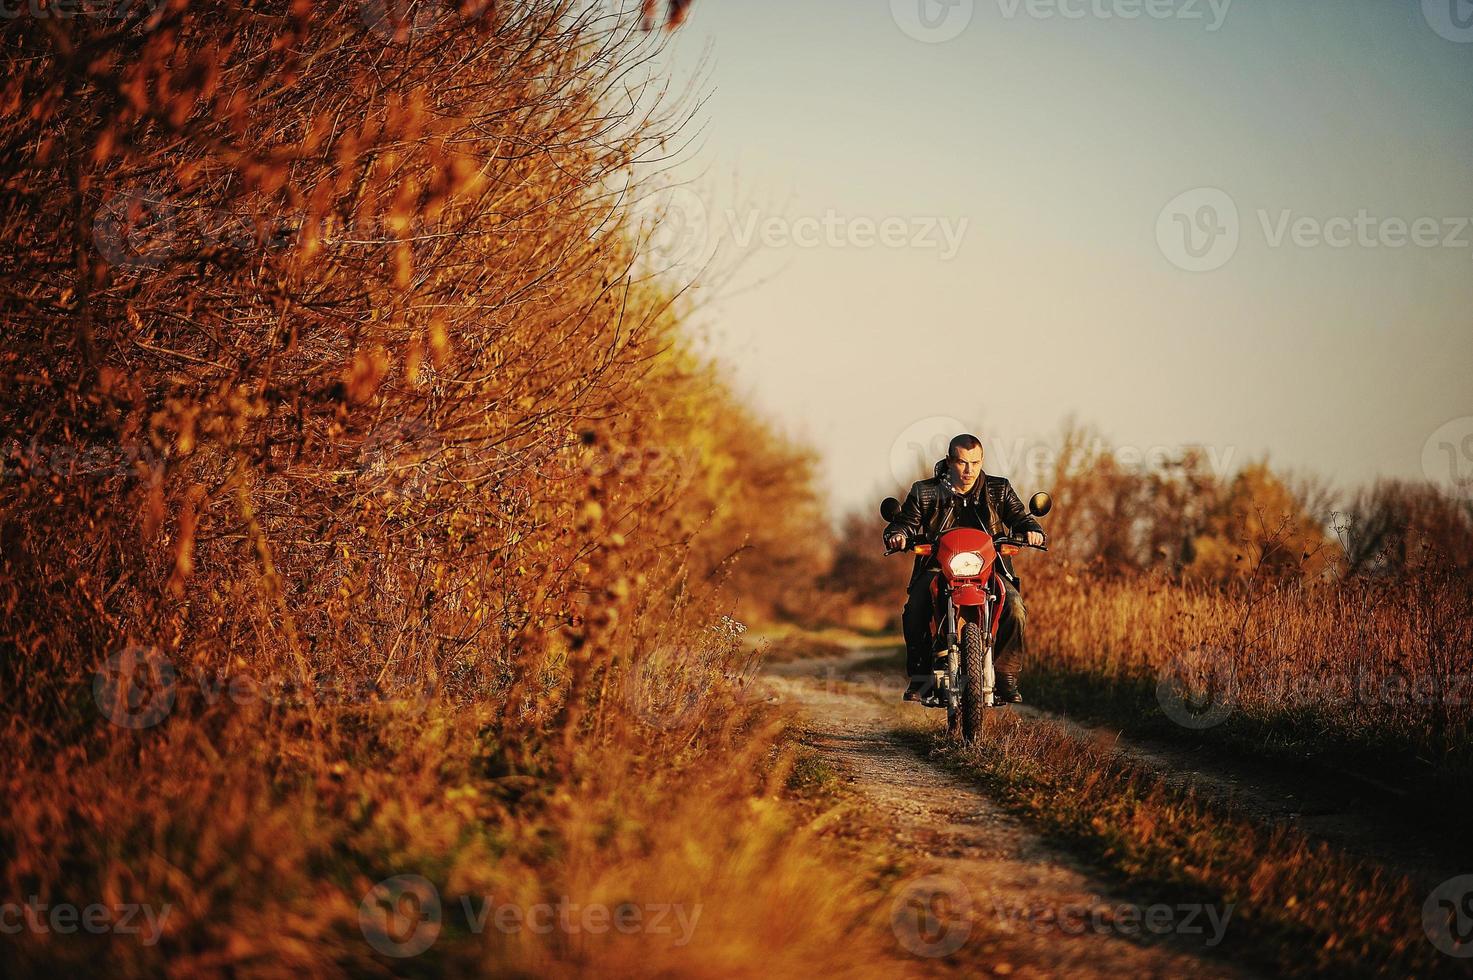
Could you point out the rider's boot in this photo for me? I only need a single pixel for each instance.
(1007, 690)
(916, 689)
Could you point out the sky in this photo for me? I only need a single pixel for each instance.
(1240, 224)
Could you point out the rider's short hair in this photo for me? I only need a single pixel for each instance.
(964, 441)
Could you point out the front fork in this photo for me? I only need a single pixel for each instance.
(953, 678)
(989, 676)
(950, 679)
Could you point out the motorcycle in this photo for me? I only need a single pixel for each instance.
(966, 603)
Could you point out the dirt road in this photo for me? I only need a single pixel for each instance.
(1352, 812)
(994, 897)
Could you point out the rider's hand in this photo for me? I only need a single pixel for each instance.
(1035, 538)
(895, 542)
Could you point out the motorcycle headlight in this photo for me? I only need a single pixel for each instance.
(968, 564)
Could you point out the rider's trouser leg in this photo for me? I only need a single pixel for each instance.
(1008, 655)
(917, 622)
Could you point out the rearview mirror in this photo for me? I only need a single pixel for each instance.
(1040, 503)
(889, 507)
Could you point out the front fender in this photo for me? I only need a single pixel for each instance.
(969, 595)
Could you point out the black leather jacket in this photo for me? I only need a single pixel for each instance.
(930, 510)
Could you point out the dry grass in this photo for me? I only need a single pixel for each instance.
(1344, 665)
(1300, 619)
(265, 861)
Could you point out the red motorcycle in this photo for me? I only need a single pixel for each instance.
(966, 603)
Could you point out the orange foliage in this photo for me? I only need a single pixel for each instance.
(342, 427)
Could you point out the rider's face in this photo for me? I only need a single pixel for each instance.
(965, 466)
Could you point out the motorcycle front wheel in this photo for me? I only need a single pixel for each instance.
(974, 669)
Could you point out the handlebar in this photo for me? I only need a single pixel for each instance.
(1001, 542)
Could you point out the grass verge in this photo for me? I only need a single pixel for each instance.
(1300, 908)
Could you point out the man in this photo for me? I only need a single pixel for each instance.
(961, 495)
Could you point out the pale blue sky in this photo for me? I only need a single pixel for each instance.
(1059, 142)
